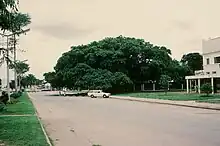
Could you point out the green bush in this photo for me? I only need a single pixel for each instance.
(16, 94)
(2, 106)
(4, 97)
(13, 101)
(206, 88)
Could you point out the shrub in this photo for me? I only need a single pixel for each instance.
(16, 94)
(13, 101)
(206, 88)
(2, 106)
(4, 97)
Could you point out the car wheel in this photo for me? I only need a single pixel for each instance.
(104, 96)
(92, 96)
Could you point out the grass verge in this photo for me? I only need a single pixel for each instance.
(22, 130)
(172, 96)
(24, 106)
(213, 101)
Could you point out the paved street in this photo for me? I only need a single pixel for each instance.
(82, 121)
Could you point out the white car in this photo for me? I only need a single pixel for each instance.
(98, 93)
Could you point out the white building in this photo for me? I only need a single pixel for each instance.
(211, 66)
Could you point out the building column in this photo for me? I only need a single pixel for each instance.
(212, 83)
(199, 85)
(187, 85)
(190, 85)
(154, 88)
(142, 87)
(195, 87)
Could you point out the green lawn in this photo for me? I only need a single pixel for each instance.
(24, 106)
(22, 130)
(171, 96)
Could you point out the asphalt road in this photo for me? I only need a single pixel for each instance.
(82, 121)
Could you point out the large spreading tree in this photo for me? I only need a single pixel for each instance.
(114, 64)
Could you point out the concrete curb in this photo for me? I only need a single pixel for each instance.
(42, 127)
(166, 103)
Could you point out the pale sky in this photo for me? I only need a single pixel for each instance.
(180, 25)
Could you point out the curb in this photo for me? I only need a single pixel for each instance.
(174, 104)
(42, 127)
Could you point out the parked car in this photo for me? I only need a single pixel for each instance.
(98, 93)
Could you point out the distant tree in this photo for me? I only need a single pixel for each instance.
(21, 68)
(193, 60)
(206, 88)
(30, 80)
(55, 79)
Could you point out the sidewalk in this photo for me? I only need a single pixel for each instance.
(192, 104)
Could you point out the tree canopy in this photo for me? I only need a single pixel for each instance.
(193, 60)
(20, 67)
(29, 80)
(115, 64)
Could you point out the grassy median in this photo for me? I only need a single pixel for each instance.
(19, 126)
(173, 96)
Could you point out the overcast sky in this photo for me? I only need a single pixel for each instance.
(180, 25)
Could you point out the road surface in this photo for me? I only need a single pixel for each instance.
(82, 121)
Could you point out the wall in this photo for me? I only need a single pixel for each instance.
(211, 45)
(211, 57)
(211, 49)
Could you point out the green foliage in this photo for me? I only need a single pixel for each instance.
(4, 97)
(10, 18)
(13, 101)
(115, 64)
(206, 88)
(2, 106)
(16, 94)
(20, 67)
(5, 6)
(30, 80)
(18, 21)
(121, 83)
(164, 81)
(23, 106)
(193, 60)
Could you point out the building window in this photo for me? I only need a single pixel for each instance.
(214, 72)
(217, 59)
(207, 61)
